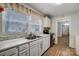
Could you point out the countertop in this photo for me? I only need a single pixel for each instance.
(15, 42)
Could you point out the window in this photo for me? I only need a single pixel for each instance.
(35, 24)
(15, 22)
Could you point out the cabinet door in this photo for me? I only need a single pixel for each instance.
(24, 53)
(47, 42)
(14, 54)
(34, 50)
(41, 47)
(77, 45)
(10, 52)
(44, 45)
(23, 47)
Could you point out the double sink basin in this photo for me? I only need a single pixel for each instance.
(34, 37)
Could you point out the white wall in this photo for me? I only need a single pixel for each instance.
(74, 28)
(59, 29)
(0, 22)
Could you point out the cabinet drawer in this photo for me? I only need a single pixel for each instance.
(14, 54)
(9, 52)
(23, 47)
(34, 42)
(24, 53)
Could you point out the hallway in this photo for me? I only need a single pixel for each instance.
(61, 49)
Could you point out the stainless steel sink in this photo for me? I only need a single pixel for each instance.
(38, 36)
(30, 38)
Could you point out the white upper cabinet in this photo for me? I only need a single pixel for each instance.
(46, 22)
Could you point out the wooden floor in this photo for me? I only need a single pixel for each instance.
(61, 49)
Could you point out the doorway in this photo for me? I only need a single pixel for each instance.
(63, 33)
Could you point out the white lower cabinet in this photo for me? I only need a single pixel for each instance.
(41, 47)
(21, 50)
(10, 52)
(24, 53)
(24, 50)
(46, 43)
(34, 50)
(23, 47)
(77, 45)
(38, 47)
(14, 55)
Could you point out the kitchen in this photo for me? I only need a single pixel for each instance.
(30, 29)
(22, 31)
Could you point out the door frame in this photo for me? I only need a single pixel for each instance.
(59, 20)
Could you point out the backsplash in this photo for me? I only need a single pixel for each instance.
(8, 36)
(12, 35)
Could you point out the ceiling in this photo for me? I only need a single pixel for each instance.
(54, 10)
